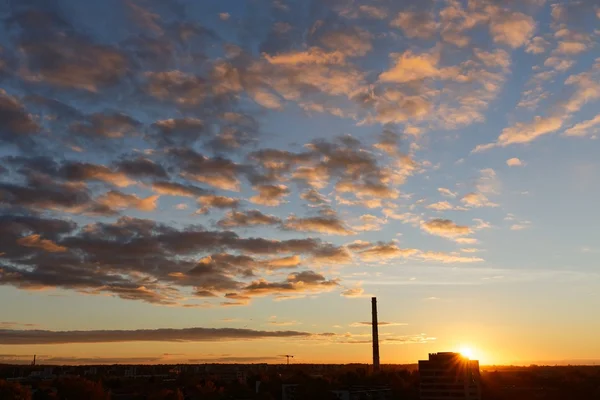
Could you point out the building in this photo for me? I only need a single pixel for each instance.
(449, 376)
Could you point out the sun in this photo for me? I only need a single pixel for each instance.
(466, 352)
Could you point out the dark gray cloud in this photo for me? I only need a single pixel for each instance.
(298, 282)
(145, 260)
(61, 57)
(44, 194)
(17, 123)
(177, 189)
(323, 224)
(107, 125)
(218, 172)
(30, 337)
(248, 218)
(180, 131)
(141, 167)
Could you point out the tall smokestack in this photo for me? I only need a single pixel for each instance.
(375, 327)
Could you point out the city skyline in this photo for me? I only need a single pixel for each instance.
(233, 181)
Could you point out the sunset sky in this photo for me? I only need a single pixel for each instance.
(231, 181)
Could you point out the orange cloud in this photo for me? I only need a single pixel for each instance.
(448, 257)
(44, 244)
(118, 200)
(445, 228)
(385, 251)
(270, 195)
(322, 224)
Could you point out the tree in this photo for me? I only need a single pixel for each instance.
(13, 391)
(79, 388)
(167, 394)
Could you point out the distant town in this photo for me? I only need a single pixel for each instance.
(441, 376)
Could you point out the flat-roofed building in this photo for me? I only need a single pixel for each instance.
(449, 376)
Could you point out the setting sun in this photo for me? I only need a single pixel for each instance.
(466, 352)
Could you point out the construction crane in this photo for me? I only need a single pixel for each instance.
(288, 356)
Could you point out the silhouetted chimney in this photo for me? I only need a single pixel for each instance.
(375, 327)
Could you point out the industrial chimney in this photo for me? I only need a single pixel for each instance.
(375, 328)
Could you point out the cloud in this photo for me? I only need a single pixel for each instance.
(14, 324)
(77, 171)
(266, 99)
(313, 197)
(354, 292)
(470, 250)
(446, 192)
(527, 132)
(512, 28)
(497, 58)
(46, 194)
(583, 88)
(285, 323)
(323, 224)
(314, 55)
(177, 189)
(209, 201)
(218, 172)
(454, 258)
(37, 337)
(584, 128)
(282, 262)
(537, 45)
(16, 121)
(463, 240)
(445, 228)
(37, 242)
(180, 88)
(137, 259)
(477, 200)
(521, 225)
(69, 61)
(514, 162)
(270, 195)
(108, 125)
(376, 12)
(415, 24)
(441, 206)
(141, 167)
(331, 255)
(118, 200)
(247, 218)
(351, 41)
(412, 67)
(369, 222)
(384, 251)
(297, 282)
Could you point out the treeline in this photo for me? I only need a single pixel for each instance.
(547, 383)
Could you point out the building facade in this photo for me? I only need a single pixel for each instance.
(449, 376)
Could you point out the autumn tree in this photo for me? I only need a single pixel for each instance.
(13, 391)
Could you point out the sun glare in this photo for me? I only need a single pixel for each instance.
(466, 352)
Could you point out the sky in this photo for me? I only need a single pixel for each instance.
(232, 181)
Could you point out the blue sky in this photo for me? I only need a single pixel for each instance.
(262, 168)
